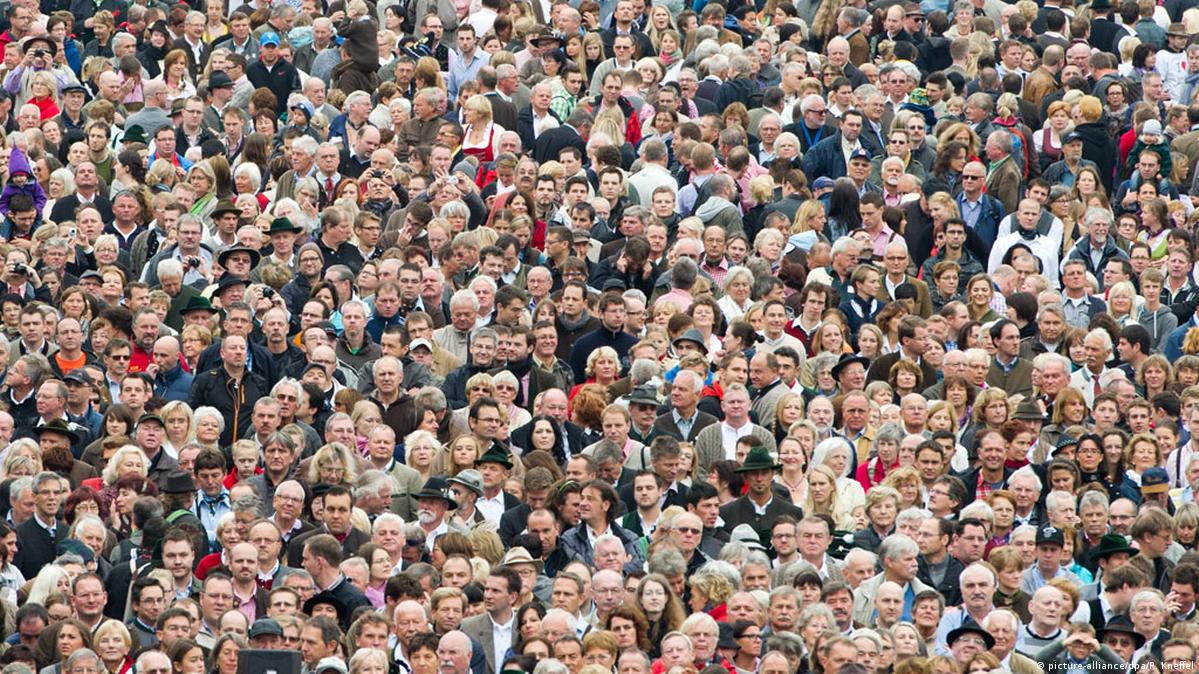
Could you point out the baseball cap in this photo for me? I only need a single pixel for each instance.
(269, 37)
(1155, 481)
(1052, 535)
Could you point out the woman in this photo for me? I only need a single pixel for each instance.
(186, 657)
(71, 635)
(365, 415)
(603, 368)
(112, 285)
(113, 645)
(787, 411)
(793, 461)
(661, 607)
(125, 461)
(482, 135)
(379, 562)
(710, 593)
(369, 661)
(117, 421)
(128, 489)
(882, 507)
(980, 290)
(196, 338)
(1048, 140)
(44, 90)
(11, 578)
(886, 450)
(177, 415)
(1155, 221)
(507, 389)
(1141, 454)
(843, 210)
(736, 298)
(1003, 504)
(951, 159)
(1123, 303)
(1154, 376)
(174, 76)
(545, 436)
(209, 426)
(332, 464)
(224, 653)
(460, 454)
(704, 312)
(822, 497)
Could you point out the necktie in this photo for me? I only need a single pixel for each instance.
(329, 188)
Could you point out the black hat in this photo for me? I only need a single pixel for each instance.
(77, 87)
(727, 640)
(1113, 544)
(197, 303)
(1064, 441)
(265, 627)
(178, 482)
(846, 360)
(279, 225)
(134, 134)
(78, 376)
(73, 546)
(644, 395)
(222, 207)
(692, 335)
(436, 487)
(970, 627)
(255, 256)
(1052, 535)
(90, 274)
(219, 80)
(1100, 5)
(1071, 137)
(160, 26)
(50, 45)
(758, 459)
(57, 426)
(329, 599)
(228, 281)
(1121, 624)
(495, 454)
(859, 153)
(149, 416)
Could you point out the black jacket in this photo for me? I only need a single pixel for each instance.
(524, 127)
(949, 586)
(262, 363)
(215, 388)
(1098, 147)
(38, 547)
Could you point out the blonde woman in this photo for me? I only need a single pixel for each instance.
(61, 183)
(420, 453)
(203, 180)
(506, 389)
(332, 464)
(1123, 303)
(482, 134)
(127, 460)
(810, 219)
(180, 430)
(822, 497)
(460, 454)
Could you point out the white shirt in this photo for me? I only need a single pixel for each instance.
(501, 638)
(492, 508)
(729, 437)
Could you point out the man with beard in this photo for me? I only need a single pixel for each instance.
(433, 502)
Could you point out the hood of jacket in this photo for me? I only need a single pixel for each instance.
(712, 208)
(19, 163)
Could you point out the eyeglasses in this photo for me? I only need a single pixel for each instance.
(118, 357)
(966, 177)
(688, 530)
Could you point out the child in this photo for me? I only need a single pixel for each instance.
(20, 181)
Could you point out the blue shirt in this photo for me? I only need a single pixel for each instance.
(464, 71)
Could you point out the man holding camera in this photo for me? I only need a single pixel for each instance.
(39, 53)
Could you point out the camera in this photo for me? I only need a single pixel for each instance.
(452, 180)
(193, 262)
(378, 174)
(40, 53)
(268, 292)
(22, 269)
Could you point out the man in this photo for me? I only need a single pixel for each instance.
(978, 591)
(336, 505)
(1049, 542)
(1097, 249)
(87, 184)
(322, 555)
(598, 511)
(273, 72)
(1044, 627)
(982, 206)
(1098, 345)
(231, 388)
(494, 628)
(760, 507)
(466, 61)
(1149, 533)
(609, 333)
(1009, 371)
(421, 129)
(898, 555)
(718, 442)
(684, 421)
(1029, 235)
(828, 157)
(43, 530)
(913, 340)
(939, 569)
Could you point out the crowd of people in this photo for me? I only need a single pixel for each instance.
(599, 336)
